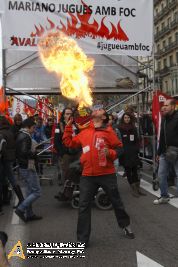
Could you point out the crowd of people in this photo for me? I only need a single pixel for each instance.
(102, 145)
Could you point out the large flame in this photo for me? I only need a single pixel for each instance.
(61, 54)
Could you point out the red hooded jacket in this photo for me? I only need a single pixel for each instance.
(87, 140)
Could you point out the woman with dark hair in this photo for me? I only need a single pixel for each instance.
(130, 159)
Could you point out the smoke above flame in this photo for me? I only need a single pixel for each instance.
(62, 55)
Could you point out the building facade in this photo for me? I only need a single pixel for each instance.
(166, 45)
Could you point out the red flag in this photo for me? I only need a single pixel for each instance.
(3, 101)
(39, 106)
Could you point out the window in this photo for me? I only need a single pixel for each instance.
(162, 25)
(166, 86)
(176, 36)
(169, 21)
(158, 47)
(157, 29)
(159, 65)
(177, 57)
(170, 40)
(176, 15)
(165, 62)
(164, 44)
(171, 61)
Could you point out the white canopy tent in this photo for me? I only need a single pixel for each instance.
(24, 71)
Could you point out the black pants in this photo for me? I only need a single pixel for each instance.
(88, 188)
(132, 174)
(1, 183)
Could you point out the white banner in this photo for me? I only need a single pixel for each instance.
(120, 27)
(17, 106)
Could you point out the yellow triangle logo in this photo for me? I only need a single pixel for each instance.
(17, 251)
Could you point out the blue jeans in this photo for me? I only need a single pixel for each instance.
(33, 190)
(163, 172)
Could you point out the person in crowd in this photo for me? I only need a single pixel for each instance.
(37, 138)
(48, 127)
(3, 145)
(100, 147)
(26, 158)
(168, 144)
(39, 135)
(3, 258)
(114, 125)
(172, 174)
(130, 159)
(66, 155)
(115, 119)
(17, 124)
(130, 110)
(8, 159)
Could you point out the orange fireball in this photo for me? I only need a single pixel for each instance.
(62, 55)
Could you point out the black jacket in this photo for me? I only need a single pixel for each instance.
(9, 153)
(48, 131)
(23, 149)
(169, 125)
(15, 130)
(131, 147)
(60, 148)
(3, 145)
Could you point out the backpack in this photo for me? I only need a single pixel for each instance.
(2, 145)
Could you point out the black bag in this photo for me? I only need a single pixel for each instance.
(171, 154)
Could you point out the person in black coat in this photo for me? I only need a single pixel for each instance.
(48, 127)
(9, 158)
(26, 155)
(130, 159)
(3, 144)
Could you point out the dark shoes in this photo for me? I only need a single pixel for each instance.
(3, 238)
(34, 218)
(61, 197)
(128, 233)
(21, 215)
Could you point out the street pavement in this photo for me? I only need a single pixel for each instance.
(155, 227)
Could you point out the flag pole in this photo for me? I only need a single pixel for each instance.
(155, 182)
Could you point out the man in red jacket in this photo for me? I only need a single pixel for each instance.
(98, 171)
